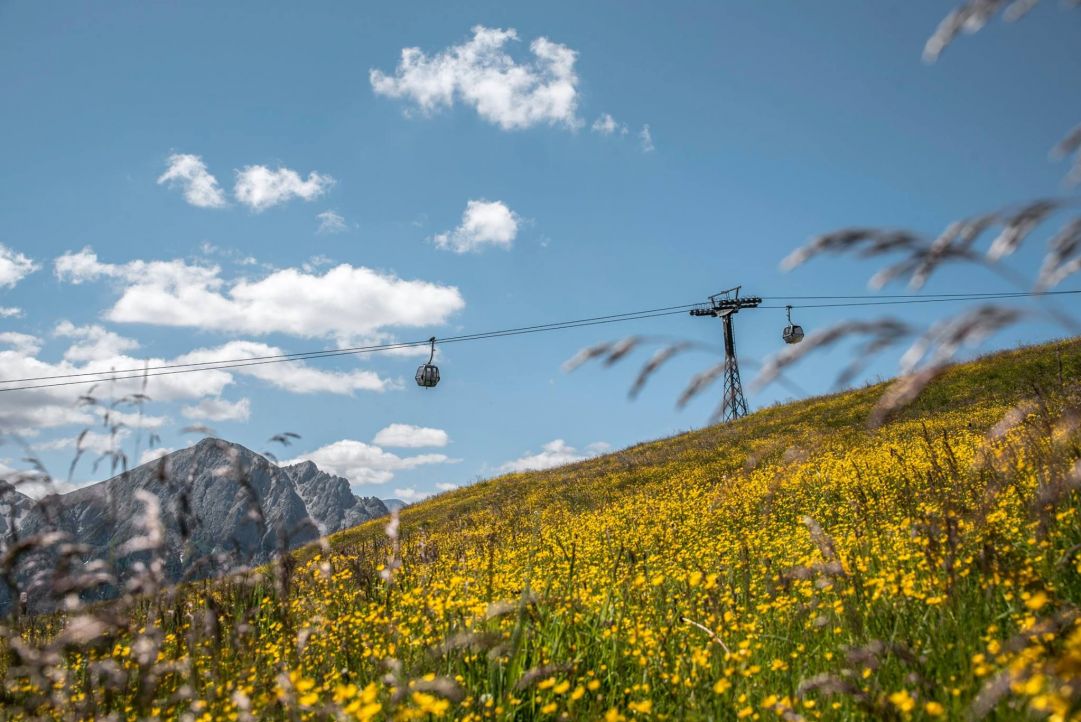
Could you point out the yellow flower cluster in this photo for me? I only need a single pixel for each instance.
(793, 565)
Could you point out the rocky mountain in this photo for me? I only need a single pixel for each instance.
(394, 504)
(220, 505)
(329, 500)
(14, 506)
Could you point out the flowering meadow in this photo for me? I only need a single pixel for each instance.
(794, 564)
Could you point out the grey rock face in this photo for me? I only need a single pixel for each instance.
(218, 501)
(221, 505)
(14, 506)
(329, 500)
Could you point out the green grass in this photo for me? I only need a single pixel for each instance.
(838, 572)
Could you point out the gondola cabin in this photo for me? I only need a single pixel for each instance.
(428, 374)
(793, 332)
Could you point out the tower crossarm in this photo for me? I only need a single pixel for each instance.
(722, 307)
(725, 305)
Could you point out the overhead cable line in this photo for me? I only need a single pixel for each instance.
(136, 374)
(90, 377)
(303, 355)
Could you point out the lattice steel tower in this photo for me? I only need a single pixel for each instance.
(725, 305)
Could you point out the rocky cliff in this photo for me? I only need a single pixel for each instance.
(220, 505)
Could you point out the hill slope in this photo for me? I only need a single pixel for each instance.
(792, 565)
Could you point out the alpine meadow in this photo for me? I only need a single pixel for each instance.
(791, 565)
(229, 233)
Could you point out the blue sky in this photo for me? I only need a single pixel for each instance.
(226, 179)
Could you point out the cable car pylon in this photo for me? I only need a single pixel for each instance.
(725, 305)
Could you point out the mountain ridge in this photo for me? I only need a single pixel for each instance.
(221, 506)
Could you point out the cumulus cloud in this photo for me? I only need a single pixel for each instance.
(294, 376)
(22, 343)
(363, 463)
(135, 420)
(95, 450)
(27, 481)
(605, 124)
(189, 173)
(218, 410)
(91, 442)
(554, 453)
(330, 222)
(259, 187)
(484, 223)
(32, 482)
(407, 436)
(30, 410)
(645, 139)
(93, 343)
(344, 302)
(445, 486)
(82, 266)
(10, 312)
(154, 454)
(14, 266)
(411, 495)
(481, 73)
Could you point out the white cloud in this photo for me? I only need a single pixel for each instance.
(131, 419)
(82, 266)
(232, 255)
(26, 412)
(14, 266)
(330, 222)
(29, 410)
(259, 187)
(96, 452)
(17, 478)
(219, 410)
(645, 139)
(315, 262)
(91, 442)
(554, 453)
(407, 436)
(411, 495)
(154, 454)
(32, 482)
(605, 124)
(22, 343)
(10, 312)
(200, 187)
(484, 223)
(294, 376)
(362, 463)
(93, 343)
(480, 73)
(445, 486)
(344, 302)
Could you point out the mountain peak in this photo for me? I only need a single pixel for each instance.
(330, 500)
(206, 495)
(305, 467)
(212, 442)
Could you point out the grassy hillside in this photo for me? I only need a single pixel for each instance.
(792, 565)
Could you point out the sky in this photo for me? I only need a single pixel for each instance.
(185, 182)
